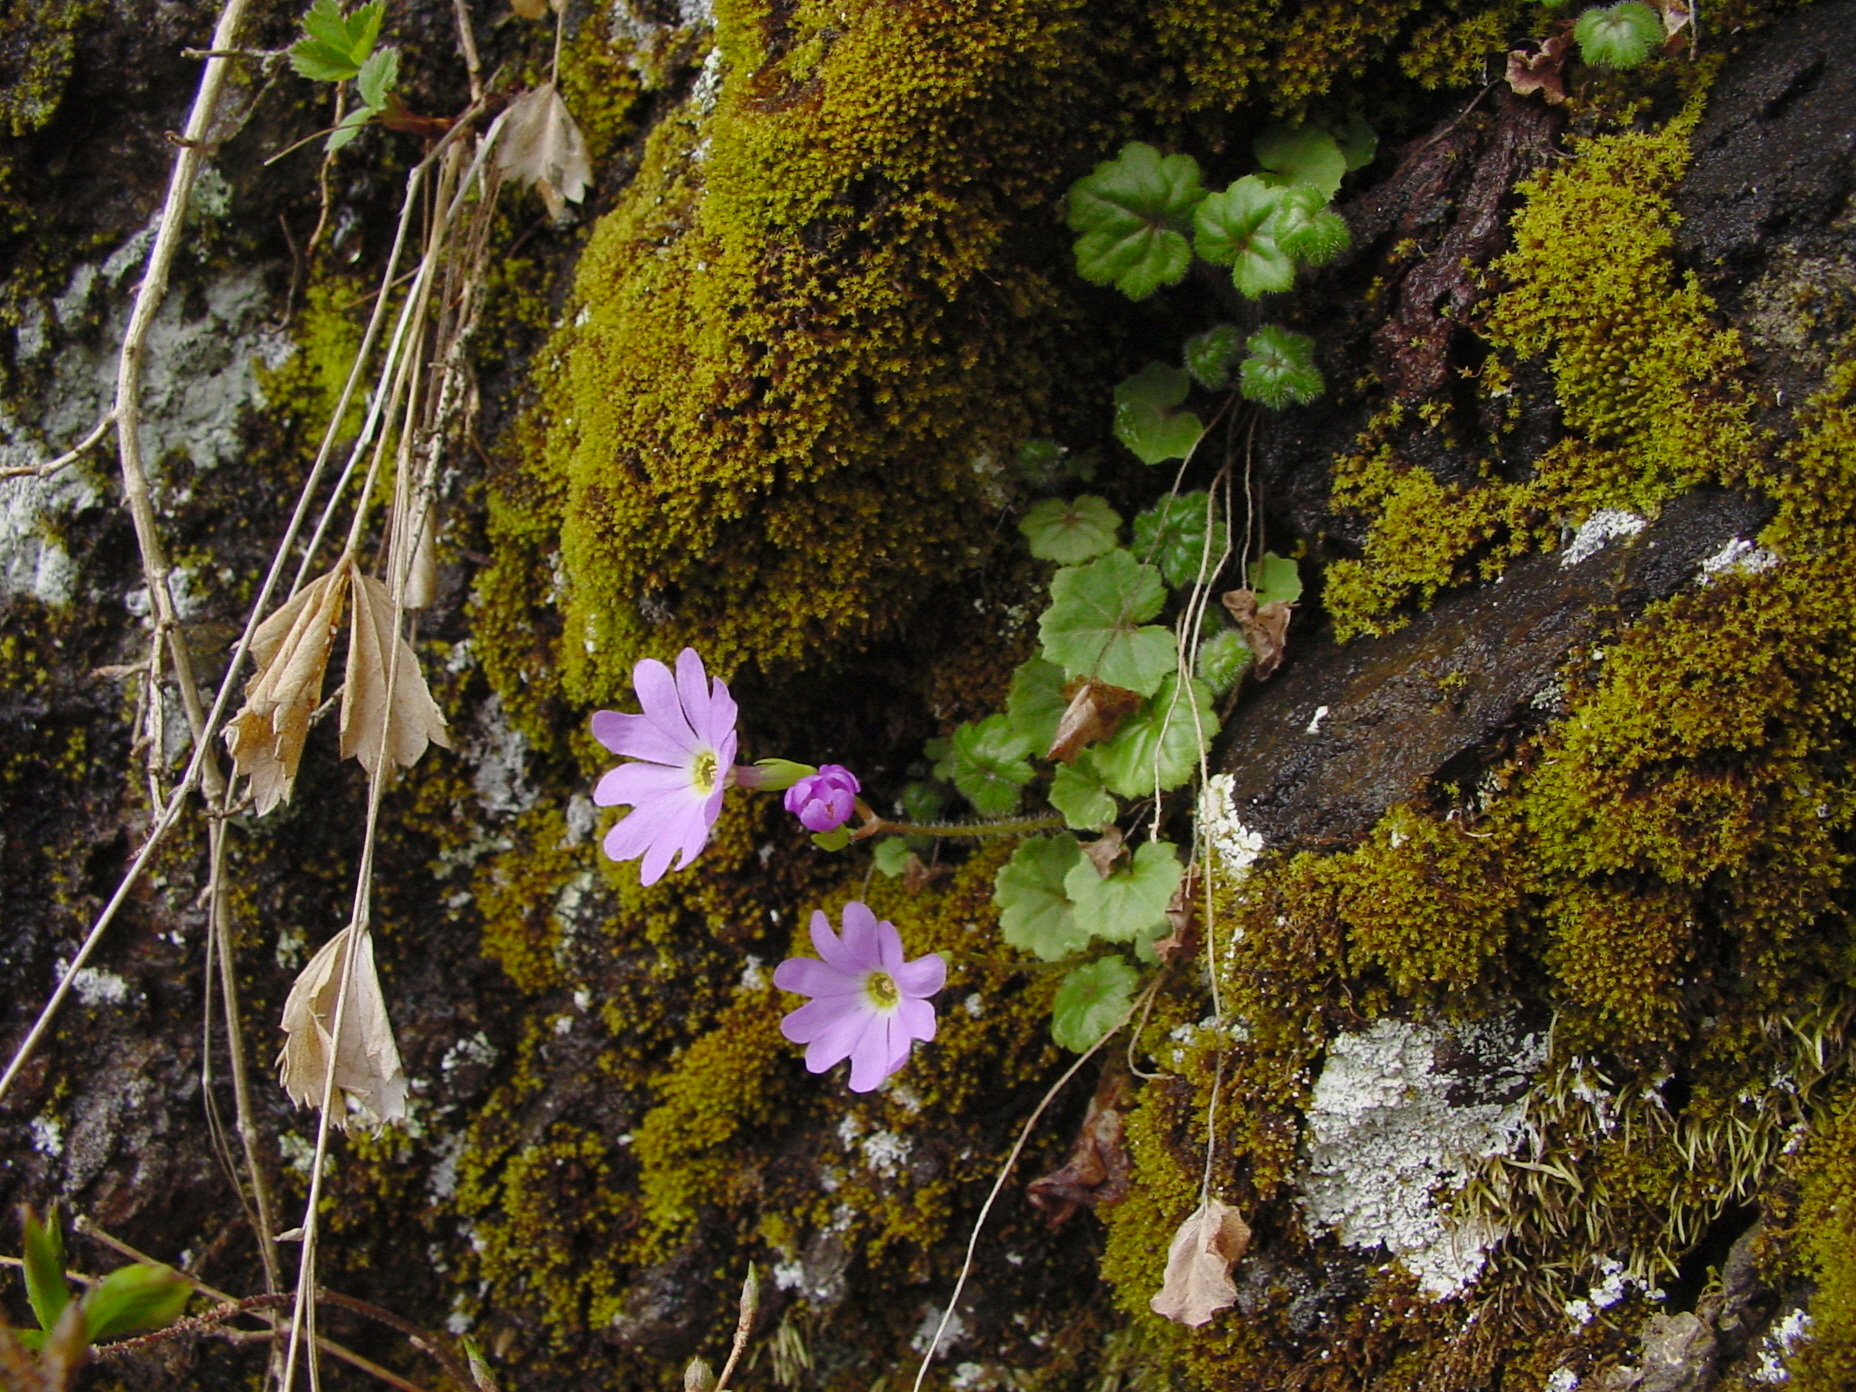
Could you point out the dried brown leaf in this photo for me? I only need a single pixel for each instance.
(1095, 712)
(371, 723)
(1677, 15)
(542, 147)
(1098, 1169)
(1183, 918)
(1198, 1264)
(1265, 628)
(367, 1062)
(1106, 850)
(1542, 71)
(291, 649)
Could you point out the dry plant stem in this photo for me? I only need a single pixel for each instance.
(69, 457)
(264, 1227)
(116, 1244)
(467, 44)
(1005, 1171)
(744, 1325)
(128, 410)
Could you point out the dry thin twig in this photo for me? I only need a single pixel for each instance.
(69, 457)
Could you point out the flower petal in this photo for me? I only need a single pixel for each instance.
(897, 1038)
(829, 946)
(889, 947)
(657, 693)
(635, 784)
(833, 1039)
(922, 977)
(861, 937)
(629, 837)
(707, 705)
(916, 1019)
(871, 1056)
(683, 832)
(811, 977)
(636, 737)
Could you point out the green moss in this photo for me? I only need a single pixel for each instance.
(1824, 1227)
(38, 49)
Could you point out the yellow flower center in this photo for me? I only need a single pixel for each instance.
(882, 989)
(703, 772)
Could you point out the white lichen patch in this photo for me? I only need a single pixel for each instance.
(500, 754)
(1778, 1345)
(1600, 530)
(200, 378)
(1393, 1131)
(97, 987)
(48, 1136)
(1219, 825)
(885, 1152)
(1737, 557)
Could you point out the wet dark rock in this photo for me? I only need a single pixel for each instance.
(1346, 731)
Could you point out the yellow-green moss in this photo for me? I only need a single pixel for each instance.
(1825, 1229)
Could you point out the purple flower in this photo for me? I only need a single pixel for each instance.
(824, 800)
(869, 1005)
(685, 747)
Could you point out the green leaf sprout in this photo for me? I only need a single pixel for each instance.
(1070, 531)
(1172, 534)
(1133, 215)
(1096, 625)
(1222, 659)
(1618, 36)
(1280, 368)
(1147, 420)
(1306, 228)
(1034, 911)
(337, 46)
(1210, 356)
(1091, 1001)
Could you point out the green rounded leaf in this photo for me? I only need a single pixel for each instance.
(1159, 749)
(1132, 215)
(1122, 906)
(1357, 142)
(1096, 625)
(891, 855)
(1076, 791)
(1210, 356)
(378, 76)
(1070, 531)
(1618, 36)
(1222, 659)
(1275, 578)
(1172, 534)
(1034, 911)
(1146, 420)
(1302, 154)
(988, 765)
(1092, 1000)
(1036, 702)
(1280, 369)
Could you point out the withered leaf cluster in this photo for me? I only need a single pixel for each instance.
(1265, 628)
(543, 148)
(291, 649)
(1198, 1264)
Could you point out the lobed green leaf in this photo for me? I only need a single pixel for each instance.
(1070, 531)
(1280, 369)
(1159, 749)
(1076, 791)
(1210, 356)
(1302, 154)
(1173, 535)
(1274, 578)
(1122, 906)
(1132, 215)
(1036, 702)
(1146, 418)
(1034, 911)
(1096, 625)
(988, 765)
(1618, 36)
(1091, 1001)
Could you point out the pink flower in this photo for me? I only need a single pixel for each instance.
(869, 1005)
(824, 801)
(684, 744)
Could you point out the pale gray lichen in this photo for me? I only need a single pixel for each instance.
(1599, 531)
(1393, 1131)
